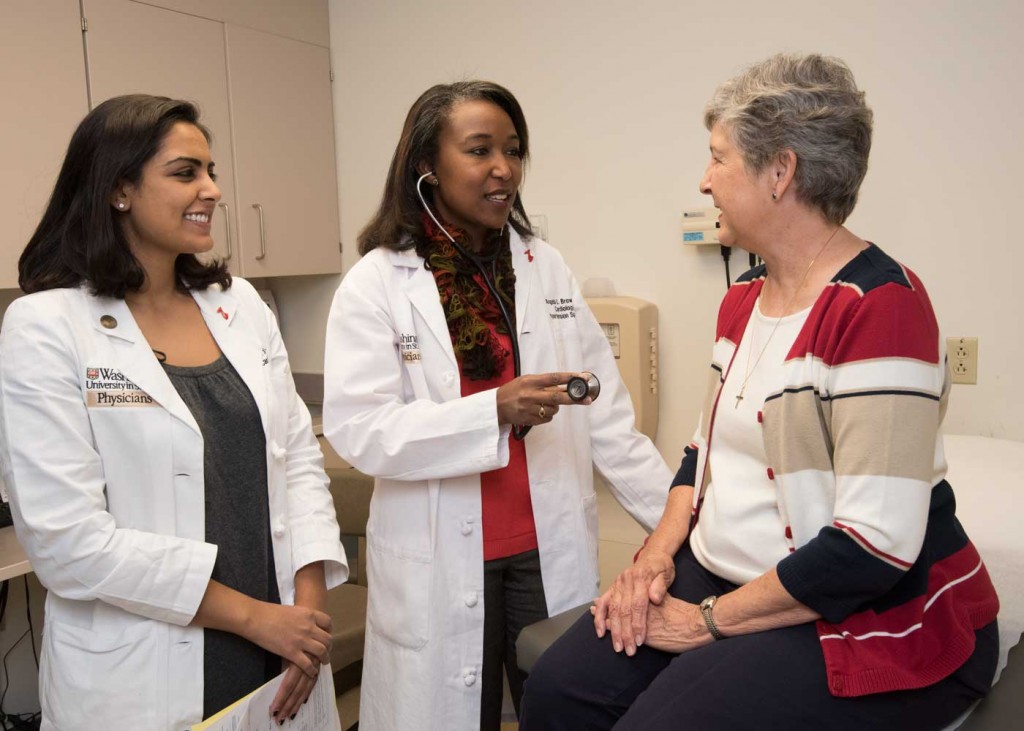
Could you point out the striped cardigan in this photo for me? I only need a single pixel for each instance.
(852, 440)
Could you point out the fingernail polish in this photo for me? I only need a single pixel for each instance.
(292, 717)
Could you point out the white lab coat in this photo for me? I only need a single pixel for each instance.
(108, 500)
(393, 409)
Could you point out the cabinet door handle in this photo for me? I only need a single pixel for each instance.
(263, 234)
(227, 227)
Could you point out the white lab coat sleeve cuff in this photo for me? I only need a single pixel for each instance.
(481, 448)
(177, 604)
(320, 543)
(193, 589)
(425, 440)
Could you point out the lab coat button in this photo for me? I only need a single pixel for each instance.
(471, 599)
(448, 378)
(469, 677)
(278, 530)
(467, 528)
(108, 321)
(278, 452)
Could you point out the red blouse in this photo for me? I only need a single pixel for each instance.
(508, 525)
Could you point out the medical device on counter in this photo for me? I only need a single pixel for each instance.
(631, 326)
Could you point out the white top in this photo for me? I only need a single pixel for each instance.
(740, 534)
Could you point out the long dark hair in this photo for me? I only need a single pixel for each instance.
(79, 238)
(397, 223)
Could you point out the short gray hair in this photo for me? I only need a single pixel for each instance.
(809, 104)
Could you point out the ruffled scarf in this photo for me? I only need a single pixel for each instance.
(469, 308)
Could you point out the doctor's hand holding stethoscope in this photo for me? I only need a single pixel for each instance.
(535, 399)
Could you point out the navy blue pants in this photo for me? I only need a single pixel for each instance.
(768, 680)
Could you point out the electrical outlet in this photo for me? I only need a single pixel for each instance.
(962, 354)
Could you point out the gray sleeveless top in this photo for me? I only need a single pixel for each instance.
(237, 519)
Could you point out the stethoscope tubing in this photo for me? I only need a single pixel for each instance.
(518, 431)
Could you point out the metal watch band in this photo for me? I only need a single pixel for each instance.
(705, 609)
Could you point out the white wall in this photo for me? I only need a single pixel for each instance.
(614, 92)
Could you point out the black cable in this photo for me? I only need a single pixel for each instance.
(726, 253)
(31, 629)
(7, 675)
(20, 720)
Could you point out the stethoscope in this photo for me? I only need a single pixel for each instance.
(578, 387)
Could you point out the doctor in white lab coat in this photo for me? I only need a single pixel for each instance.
(394, 408)
(104, 460)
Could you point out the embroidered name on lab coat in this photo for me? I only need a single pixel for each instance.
(409, 347)
(561, 308)
(108, 387)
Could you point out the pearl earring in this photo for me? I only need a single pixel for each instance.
(121, 205)
(775, 197)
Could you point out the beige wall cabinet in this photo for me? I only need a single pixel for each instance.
(267, 100)
(42, 83)
(283, 127)
(136, 48)
(303, 20)
(265, 97)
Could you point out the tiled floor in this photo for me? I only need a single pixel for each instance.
(620, 538)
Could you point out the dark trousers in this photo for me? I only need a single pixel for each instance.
(513, 599)
(768, 680)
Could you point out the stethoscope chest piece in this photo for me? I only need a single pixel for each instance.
(579, 387)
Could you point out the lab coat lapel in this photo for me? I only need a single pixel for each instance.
(522, 263)
(245, 352)
(134, 357)
(421, 290)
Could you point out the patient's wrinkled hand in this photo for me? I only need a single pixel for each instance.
(676, 626)
(623, 609)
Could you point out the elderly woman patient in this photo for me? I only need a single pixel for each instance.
(809, 571)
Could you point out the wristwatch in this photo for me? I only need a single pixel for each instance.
(706, 606)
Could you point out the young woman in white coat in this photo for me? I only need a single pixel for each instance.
(165, 481)
(473, 533)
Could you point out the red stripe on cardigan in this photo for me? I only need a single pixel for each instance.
(934, 633)
(870, 547)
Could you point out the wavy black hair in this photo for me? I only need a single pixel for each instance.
(79, 238)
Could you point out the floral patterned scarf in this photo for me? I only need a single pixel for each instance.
(469, 307)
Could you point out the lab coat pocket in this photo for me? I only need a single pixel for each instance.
(85, 669)
(399, 601)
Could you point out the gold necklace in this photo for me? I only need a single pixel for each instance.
(748, 369)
